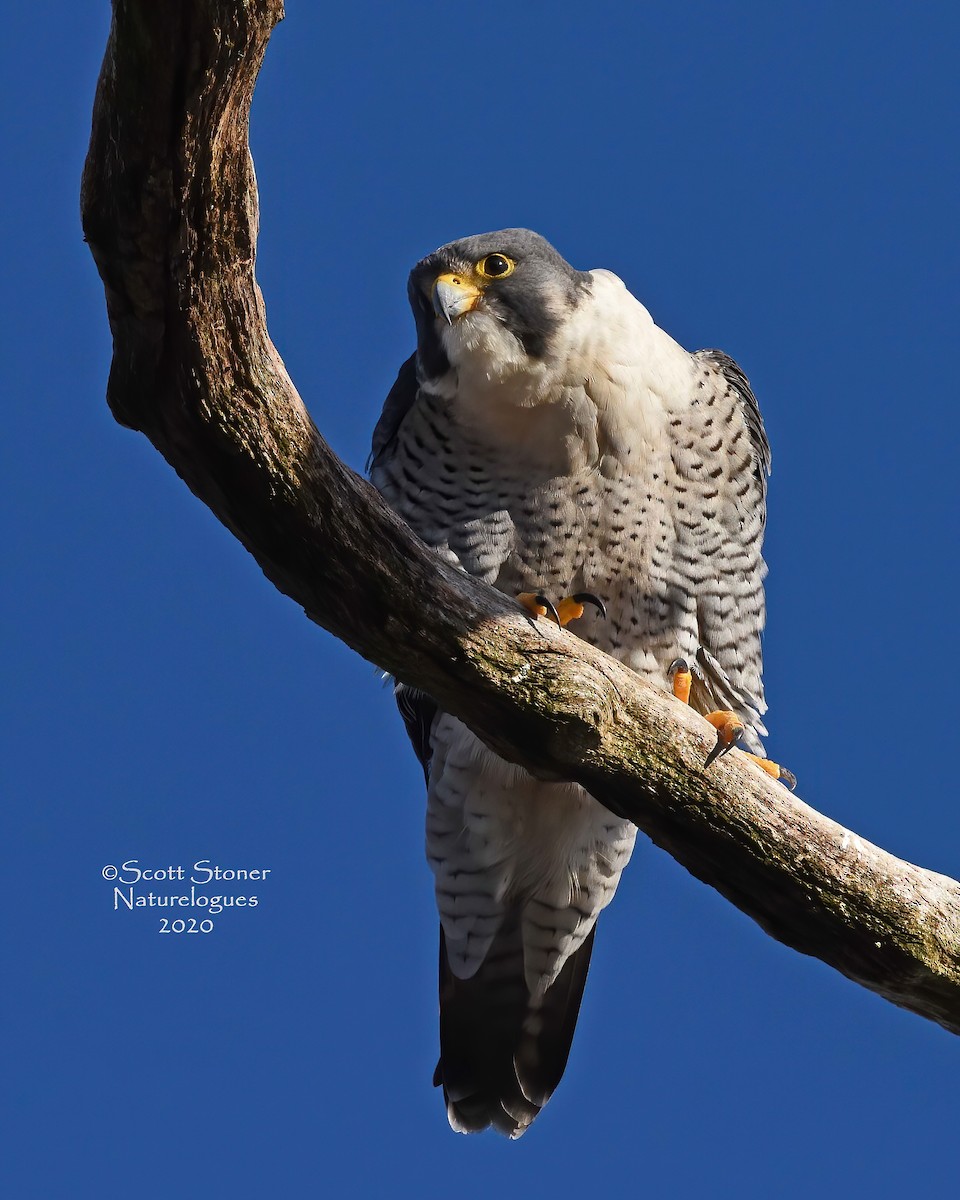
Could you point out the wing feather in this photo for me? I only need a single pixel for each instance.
(731, 613)
(400, 399)
(734, 376)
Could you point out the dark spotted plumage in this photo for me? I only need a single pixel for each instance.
(551, 438)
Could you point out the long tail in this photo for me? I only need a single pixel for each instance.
(502, 1051)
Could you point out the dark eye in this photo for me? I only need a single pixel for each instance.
(496, 266)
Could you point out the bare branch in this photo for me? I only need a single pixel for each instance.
(170, 212)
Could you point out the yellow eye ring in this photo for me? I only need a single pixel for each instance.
(496, 266)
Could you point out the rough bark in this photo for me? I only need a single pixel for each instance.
(170, 211)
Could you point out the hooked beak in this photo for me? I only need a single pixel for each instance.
(454, 296)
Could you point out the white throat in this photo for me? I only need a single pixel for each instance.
(609, 371)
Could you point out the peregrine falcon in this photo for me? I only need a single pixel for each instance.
(549, 438)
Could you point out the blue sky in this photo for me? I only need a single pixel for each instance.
(776, 180)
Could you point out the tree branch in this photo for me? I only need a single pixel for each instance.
(170, 211)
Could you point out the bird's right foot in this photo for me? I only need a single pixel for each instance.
(570, 608)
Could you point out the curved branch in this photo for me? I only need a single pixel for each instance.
(170, 212)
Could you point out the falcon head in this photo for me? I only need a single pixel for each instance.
(492, 304)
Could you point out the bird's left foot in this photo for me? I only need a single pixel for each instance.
(570, 608)
(729, 727)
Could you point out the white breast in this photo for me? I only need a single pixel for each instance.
(609, 384)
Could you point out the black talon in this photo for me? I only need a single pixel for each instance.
(788, 779)
(722, 748)
(678, 665)
(590, 598)
(542, 600)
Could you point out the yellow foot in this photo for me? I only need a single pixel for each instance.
(787, 778)
(730, 730)
(569, 609)
(728, 725)
(682, 679)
